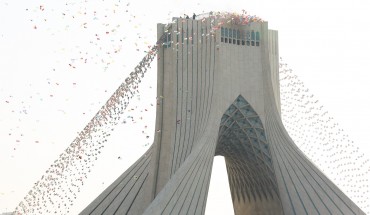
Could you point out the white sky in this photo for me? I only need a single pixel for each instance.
(44, 102)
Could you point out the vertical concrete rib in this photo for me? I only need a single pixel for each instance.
(157, 161)
(198, 77)
(178, 63)
(189, 82)
(185, 91)
(211, 77)
(194, 93)
(207, 72)
(179, 98)
(190, 109)
(184, 74)
(203, 75)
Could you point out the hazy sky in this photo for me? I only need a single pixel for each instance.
(60, 61)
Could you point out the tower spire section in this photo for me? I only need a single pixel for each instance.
(219, 94)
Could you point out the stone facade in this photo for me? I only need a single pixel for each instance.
(218, 94)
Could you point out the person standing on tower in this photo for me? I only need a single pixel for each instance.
(194, 15)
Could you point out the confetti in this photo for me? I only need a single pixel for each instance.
(61, 183)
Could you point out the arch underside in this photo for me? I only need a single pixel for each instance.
(243, 143)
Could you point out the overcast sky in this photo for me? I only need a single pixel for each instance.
(60, 61)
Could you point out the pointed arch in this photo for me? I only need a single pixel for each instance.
(242, 141)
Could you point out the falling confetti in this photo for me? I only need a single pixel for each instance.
(57, 189)
(79, 156)
(321, 139)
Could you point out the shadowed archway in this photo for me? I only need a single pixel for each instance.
(243, 143)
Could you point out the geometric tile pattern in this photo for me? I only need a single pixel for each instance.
(242, 141)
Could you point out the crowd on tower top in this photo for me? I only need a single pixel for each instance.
(226, 17)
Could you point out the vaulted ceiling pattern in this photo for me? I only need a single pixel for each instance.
(243, 143)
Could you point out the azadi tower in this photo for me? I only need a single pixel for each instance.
(218, 94)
